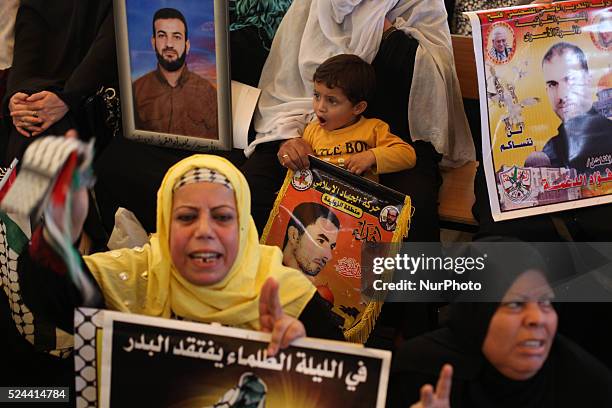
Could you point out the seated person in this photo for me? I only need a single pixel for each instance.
(204, 264)
(341, 135)
(48, 85)
(413, 59)
(501, 355)
(581, 141)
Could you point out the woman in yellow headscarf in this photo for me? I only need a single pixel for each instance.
(205, 263)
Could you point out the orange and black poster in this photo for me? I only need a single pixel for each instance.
(321, 219)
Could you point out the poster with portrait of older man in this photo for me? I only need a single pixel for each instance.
(173, 61)
(545, 84)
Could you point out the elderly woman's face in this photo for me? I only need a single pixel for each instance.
(522, 329)
(204, 236)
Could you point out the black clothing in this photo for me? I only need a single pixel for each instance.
(68, 48)
(570, 377)
(394, 66)
(23, 365)
(580, 142)
(4, 122)
(582, 224)
(318, 320)
(129, 174)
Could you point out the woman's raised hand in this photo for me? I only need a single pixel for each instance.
(272, 319)
(440, 396)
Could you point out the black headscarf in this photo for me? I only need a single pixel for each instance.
(569, 377)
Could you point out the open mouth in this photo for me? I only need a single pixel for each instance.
(532, 347)
(532, 343)
(206, 257)
(322, 121)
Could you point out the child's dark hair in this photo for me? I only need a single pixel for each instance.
(350, 73)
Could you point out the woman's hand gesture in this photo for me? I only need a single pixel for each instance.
(440, 397)
(273, 320)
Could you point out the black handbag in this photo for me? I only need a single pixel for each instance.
(102, 114)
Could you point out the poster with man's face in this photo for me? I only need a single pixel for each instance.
(321, 221)
(174, 72)
(545, 83)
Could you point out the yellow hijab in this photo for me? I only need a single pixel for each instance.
(235, 300)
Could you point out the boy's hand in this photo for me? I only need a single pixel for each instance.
(293, 154)
(361, 162)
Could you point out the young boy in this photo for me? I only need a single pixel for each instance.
(342, 86)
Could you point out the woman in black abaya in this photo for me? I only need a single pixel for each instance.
(505, 354)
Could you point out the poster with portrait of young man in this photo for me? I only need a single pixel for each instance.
(321, 220)
(545, 84)
(174, 72)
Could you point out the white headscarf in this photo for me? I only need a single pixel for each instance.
(314, 30)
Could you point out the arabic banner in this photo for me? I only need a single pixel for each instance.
(321, 219)
(156, 362)
(545, 83)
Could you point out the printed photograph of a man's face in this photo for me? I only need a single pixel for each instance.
(388, 218)
(170, 43)
(173, 66)
(501, 43)
(568, 81)
(199, 15)
(310, 238)
(605, 30)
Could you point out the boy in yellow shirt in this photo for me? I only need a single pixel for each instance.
(341, 135)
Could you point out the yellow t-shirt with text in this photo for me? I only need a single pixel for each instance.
(391, 152)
